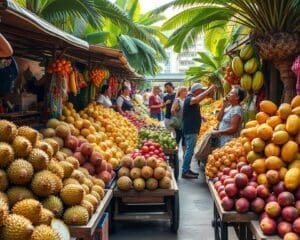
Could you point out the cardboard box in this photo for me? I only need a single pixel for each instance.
(102, 230)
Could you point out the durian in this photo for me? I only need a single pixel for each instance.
(46, 147)
(60, 156)
(39, 159)
(70, 181)
(8, 131)
(29, 208)
(53, 144)
(68, 168)
(54, 204)
(58, 184)
(22, 146)
(96, 195)
(92, 199)
(4, 211)
(74, 161)
(17, 227)
(84, 171)
(44, 232)
(7, 154)
(85, 188)
(20, 172)
(78, 175)
(88, 182)
(98, 182)
(44, 183)
(16, 194)
(29, 133)
(45, 217)
(99, 190)
(56, 168)
(72, 194)
(76, 215)
(86, 204)
(3, 180)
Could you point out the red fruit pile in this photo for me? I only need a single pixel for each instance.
(133, 118)
(150, 149)
(231, 77)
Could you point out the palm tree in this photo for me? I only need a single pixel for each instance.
(274, 25)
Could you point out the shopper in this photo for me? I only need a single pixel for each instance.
(230, 116)
(155, 103)
(177, 111)
(105, 95)
(124, 101)
(5, 48)
(191, 119)
(168, 101)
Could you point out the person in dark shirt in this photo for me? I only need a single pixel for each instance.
(191, 120)
(168, 101)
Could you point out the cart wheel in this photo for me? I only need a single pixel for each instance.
(175, 213)
(176, 166)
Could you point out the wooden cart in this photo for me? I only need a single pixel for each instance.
(258, 234)
(86, 232)
(172, 156)
(160, 204)
(223, 219)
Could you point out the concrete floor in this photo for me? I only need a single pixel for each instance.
(196, 213)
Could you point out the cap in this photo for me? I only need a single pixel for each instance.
(197, 86)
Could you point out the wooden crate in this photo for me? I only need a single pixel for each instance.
(258, 234)
(86, 232)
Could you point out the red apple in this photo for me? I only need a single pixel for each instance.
(241, 180)
(263, 215)
(258, 205)
(226, 171)
(249, 192)
(219, 175)
(227, 203)
(248, 170)
(253, 184)
(296, 225)
(271, 198)
(283, 228)
(228, 181)
(233, 172)
(289, 214)
(220, 188)
(231, 190)
(268, 226)
(273, 209)
(223, 178)
(262, 191)
(297, 205)
(217, 184)
(222, 194)
(242, 205)
(286, 199)
(240, 165)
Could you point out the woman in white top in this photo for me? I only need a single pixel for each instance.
(105, 95)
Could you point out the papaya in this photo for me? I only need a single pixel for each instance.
(261, 117)
(284, 110)
(258, 145)
(272, 150)
(292, 179)
(295, 101)
(279, 127)
(264, 131)
(246, 82)
(257, 81)
(250, 124)
(274, 163)
(251, 66)
(289, 151)
(246, 52)
(296, 110)
(293, 124)
(250, 133)
(268, 107)
(280, 137)
(237, 66)
(295, 164)
(273, 121)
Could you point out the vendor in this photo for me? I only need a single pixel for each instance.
(105, 94)
(230, 116)
(124, 101)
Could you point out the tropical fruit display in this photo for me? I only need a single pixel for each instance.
(135, 119)
(159, 135)
(109, 133)
(40, 180)
(225, 157)
(142, 173)
(230, 77)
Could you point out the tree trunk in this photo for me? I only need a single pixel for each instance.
(288, 79)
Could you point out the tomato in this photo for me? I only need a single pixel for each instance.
(145, 149)
(152, 148)
(157, 152)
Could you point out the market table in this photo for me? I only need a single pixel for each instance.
(172, 156)
(159, 204)
(223, 219)
(258, 234)
(86, 232)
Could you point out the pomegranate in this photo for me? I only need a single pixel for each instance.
(279, 188)
(268, 226)
(231, 190)
(227, 203)
(242, 205)
(286, 199)
(271, 198)
(220, 188)
(296, 225)
(223, 178)
(289, 214)
(233, 172)
(228, 181)
(283, 228)
(241, 180)
(217, 184)
(226, 171)
(240, 165)
(253, 184)
(249, 192)
(258, 205)
(273, 209)
(222, 194)
(247, 170)
(262, 191)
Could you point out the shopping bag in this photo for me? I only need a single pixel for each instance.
(208, 144)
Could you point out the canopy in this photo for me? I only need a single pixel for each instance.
(34, 38)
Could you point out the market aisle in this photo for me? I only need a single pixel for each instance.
(195, 217)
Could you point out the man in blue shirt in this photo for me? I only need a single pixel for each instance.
(192, 123)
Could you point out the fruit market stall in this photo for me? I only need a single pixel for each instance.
(260, 171)
(258, 234)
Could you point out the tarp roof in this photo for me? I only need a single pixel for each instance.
(35, 38)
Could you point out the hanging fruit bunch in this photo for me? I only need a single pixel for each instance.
(60, 66)
(231, 77)
(98, 75)
(113, 83)
(246, 66)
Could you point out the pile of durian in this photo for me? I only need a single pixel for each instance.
(39, 183)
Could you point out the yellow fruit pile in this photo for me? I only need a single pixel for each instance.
(208, 110)
(228, 156)
(109, 133)
(272, 143)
